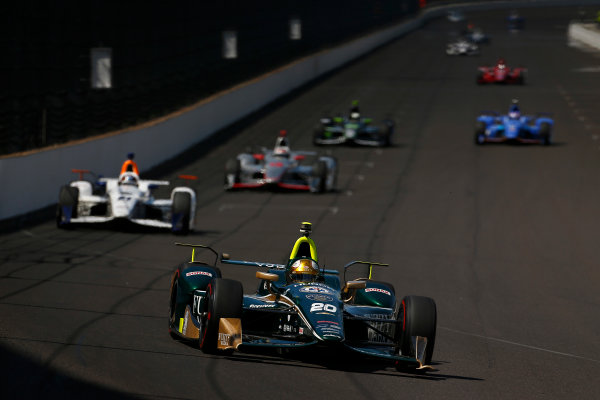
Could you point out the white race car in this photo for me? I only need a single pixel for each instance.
(462, 47)
(126, 198)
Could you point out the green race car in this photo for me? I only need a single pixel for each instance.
(299, 304)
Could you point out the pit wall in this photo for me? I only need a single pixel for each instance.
(30, 181)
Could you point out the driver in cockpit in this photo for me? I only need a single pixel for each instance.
(282, 147)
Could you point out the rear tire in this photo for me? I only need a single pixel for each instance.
(318, 134)
(225, 299)
(418, 318)
(67, 197)
(545, 133)
(181, 212)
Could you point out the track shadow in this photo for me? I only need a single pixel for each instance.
(338, 359)
(21, 378)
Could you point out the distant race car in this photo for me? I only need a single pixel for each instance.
(501, 73)
(282, 168)
(515, 22)
(297, 305)
(455, 16)
(462, 47)
(475, 35)
(353, 129)
(513, 127)
(126, 198)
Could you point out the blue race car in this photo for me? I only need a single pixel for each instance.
(513, 127)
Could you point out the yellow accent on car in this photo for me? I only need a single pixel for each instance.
(180, 325)
(311, 244)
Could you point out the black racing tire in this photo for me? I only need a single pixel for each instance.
(318, 134)
(182, 205)
(388, 130)
(417, 317)
(480, 132)
(545, 134)
(233, 167)
(173, 306)
(225, 300)
(479, 79)
(320, 171)
(67, 197)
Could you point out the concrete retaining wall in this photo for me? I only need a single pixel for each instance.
(586, 33)
(31, 181)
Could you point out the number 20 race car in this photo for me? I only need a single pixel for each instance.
(298, 305)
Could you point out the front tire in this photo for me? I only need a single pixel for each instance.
(480, 133)
(181, 212)
(225, 299)
(66, 208)
(233, 167)
(419, 318)
(173, 306)
(320, 172)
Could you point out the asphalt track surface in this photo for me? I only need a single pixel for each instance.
(504, 238)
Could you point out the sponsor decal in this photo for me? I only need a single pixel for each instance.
(225, 339)
(268, 265)
(319, 307)
(196, 304)
(301, 330)
(185, 321)
(378, 290)
(192, 273)
(315, 289)
(273, 305)
(327, 322)
(319, 297)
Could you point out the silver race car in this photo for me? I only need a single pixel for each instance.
(126, 198)
(462, 47)
(281, 168)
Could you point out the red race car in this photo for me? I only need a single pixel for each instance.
(501, 73)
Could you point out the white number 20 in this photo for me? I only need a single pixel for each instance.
(323, 307)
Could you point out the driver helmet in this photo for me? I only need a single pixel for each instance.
(514, 112)
(282, 147)
(354, 110)
(501, 63)
(130, 180)
(304, 270)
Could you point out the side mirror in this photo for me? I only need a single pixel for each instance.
(267, 276)
(353, 285)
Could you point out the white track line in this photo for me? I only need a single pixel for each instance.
(520, 345)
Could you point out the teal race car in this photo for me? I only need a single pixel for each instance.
(299, 304)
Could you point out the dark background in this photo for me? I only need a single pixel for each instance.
(165, 55)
